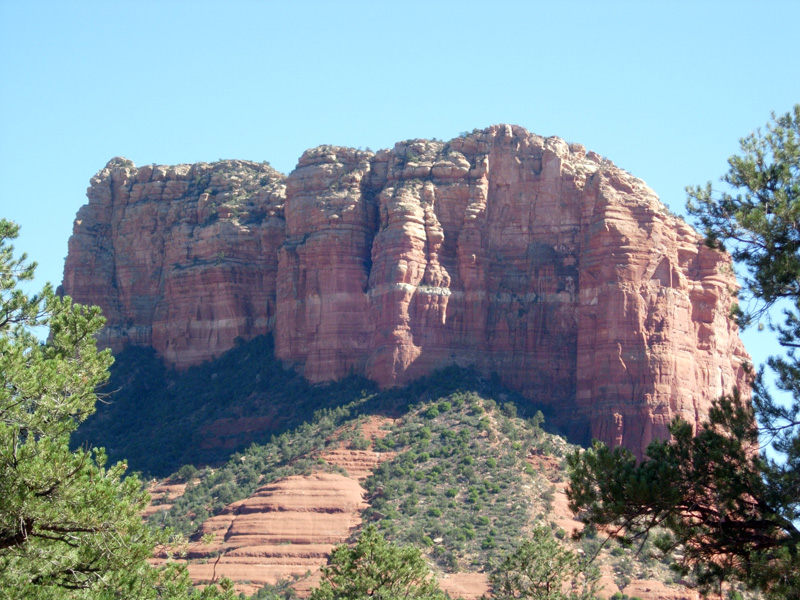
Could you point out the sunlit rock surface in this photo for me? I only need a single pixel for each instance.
(528, 258)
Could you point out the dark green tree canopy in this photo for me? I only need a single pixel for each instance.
(376, 568)
(757, 214)
(759, 222)
(542, 569)
(704, 498)
(69, 525)
(726, 510)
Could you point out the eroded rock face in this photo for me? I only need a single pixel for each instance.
(286, 528)
(527, 258)
(180, 258)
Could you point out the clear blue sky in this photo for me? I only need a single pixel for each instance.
(664, 89)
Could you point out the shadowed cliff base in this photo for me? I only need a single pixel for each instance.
(159, 419)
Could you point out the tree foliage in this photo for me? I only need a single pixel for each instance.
(726, 511)
(376, 568)
(542, 569)
(69, 525)
(756, 218)
(759, 222)
(704, 498)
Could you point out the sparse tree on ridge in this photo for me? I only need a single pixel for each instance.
(542, 569)
(727, 512)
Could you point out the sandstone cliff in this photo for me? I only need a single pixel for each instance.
(527, 258)
(181, 258)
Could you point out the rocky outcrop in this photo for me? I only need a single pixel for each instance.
(180, 258)
(287, 528)
(527, 258)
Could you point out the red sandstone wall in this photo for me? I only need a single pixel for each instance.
(523, 256)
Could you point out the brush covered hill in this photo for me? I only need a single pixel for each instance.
(456, 465)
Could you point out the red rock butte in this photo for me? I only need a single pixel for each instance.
(527, 258)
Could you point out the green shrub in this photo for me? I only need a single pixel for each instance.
(359, 442)
(187, 473)
(509, 409)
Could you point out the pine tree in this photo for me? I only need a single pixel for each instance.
(70, 526)
(376, 568)
(726, 511)
(542, 569)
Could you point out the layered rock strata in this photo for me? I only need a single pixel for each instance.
(183, 259)
(285, 528)
(527, 258)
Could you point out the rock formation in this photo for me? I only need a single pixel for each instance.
(527, 258)
(285, 528)
(181, 258)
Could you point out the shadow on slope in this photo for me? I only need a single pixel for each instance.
(159, 419)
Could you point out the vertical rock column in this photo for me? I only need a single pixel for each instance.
(323, 319)
(408, 287)
(650, 294)
(529, 248)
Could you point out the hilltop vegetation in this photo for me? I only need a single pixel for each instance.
(296, 451)
(460, 483)
(466, 481)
